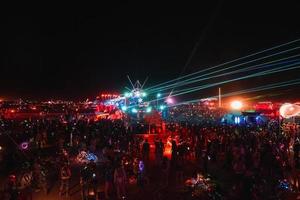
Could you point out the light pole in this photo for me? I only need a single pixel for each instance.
(220, 101)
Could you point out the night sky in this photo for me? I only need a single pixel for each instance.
(74, 55)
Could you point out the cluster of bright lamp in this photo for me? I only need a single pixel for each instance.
(236, 105)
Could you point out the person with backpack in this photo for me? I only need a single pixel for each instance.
(161, 148)
(146, 151)
(89, 181)
(120, 182)
(108, 180)
(141, 176)
(165, 169)
(84, 181)
(157, 159)
(179, 168)
(65, 175)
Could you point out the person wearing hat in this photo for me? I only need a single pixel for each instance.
(65, 175)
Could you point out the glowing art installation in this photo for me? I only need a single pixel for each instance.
(289, 110)
(24, 145)
(86, 157)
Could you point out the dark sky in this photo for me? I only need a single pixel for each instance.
(74, 55)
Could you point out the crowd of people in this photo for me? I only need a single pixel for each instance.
(37, 153)
(52, 153)
(194, 114)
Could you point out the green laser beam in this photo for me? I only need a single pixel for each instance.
(229, 62)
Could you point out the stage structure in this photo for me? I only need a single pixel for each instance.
(250, 118)
(135, 102)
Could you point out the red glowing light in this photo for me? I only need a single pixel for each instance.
(12, 178)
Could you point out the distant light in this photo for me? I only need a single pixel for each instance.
(91, 157)
(138, 94)
(140, 100)
(237, 120)
(161, 107)
(141, 166)
(170, 100)
(24, 145)
(149, 109)
(134, 110)
(158, 95)
(124, 108)
(127, 94)
(0, 148)
(144, 94)
(236, 105)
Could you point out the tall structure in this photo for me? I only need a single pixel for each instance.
(220, 101)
